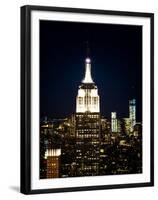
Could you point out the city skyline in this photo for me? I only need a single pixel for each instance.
(98, 127)
(87, 144)
(124, 85)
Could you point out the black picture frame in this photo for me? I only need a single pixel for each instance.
(25, 184)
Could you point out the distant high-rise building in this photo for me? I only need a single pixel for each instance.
(132, 113)
(126, 125)
(53, 162)
(114, 124)
(87, 127)
(137, 129)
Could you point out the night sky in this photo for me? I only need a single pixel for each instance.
(116, 58)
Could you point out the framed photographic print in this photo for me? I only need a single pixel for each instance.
(87, 99)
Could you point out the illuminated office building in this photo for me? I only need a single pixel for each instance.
(137, 129)
(114, 125)
(87, 127)
(126, 125)
(53, 163)
(132, 113)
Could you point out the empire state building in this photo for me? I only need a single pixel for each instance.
(87, 126)
(87, 99)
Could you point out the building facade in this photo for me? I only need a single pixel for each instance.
(114, 124)
(87, 127)
(53, 163)
(132, 113)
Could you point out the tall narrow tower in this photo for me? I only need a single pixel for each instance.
(132, 113)
(87, 99)
(114, 124)
(87, 126)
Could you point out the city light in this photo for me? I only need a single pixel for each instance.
(88, 77)
(88, 60)
(52, 152)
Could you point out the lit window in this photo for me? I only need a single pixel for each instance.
(80, 100)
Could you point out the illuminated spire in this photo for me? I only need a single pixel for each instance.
(88, 77)
(87, 99)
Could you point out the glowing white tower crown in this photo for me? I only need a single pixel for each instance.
(88, 77)
(87, 99)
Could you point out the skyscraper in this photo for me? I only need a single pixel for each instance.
(53, 162)
(87, 99)
(132, 113)
(87, 126)
(114, 125)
